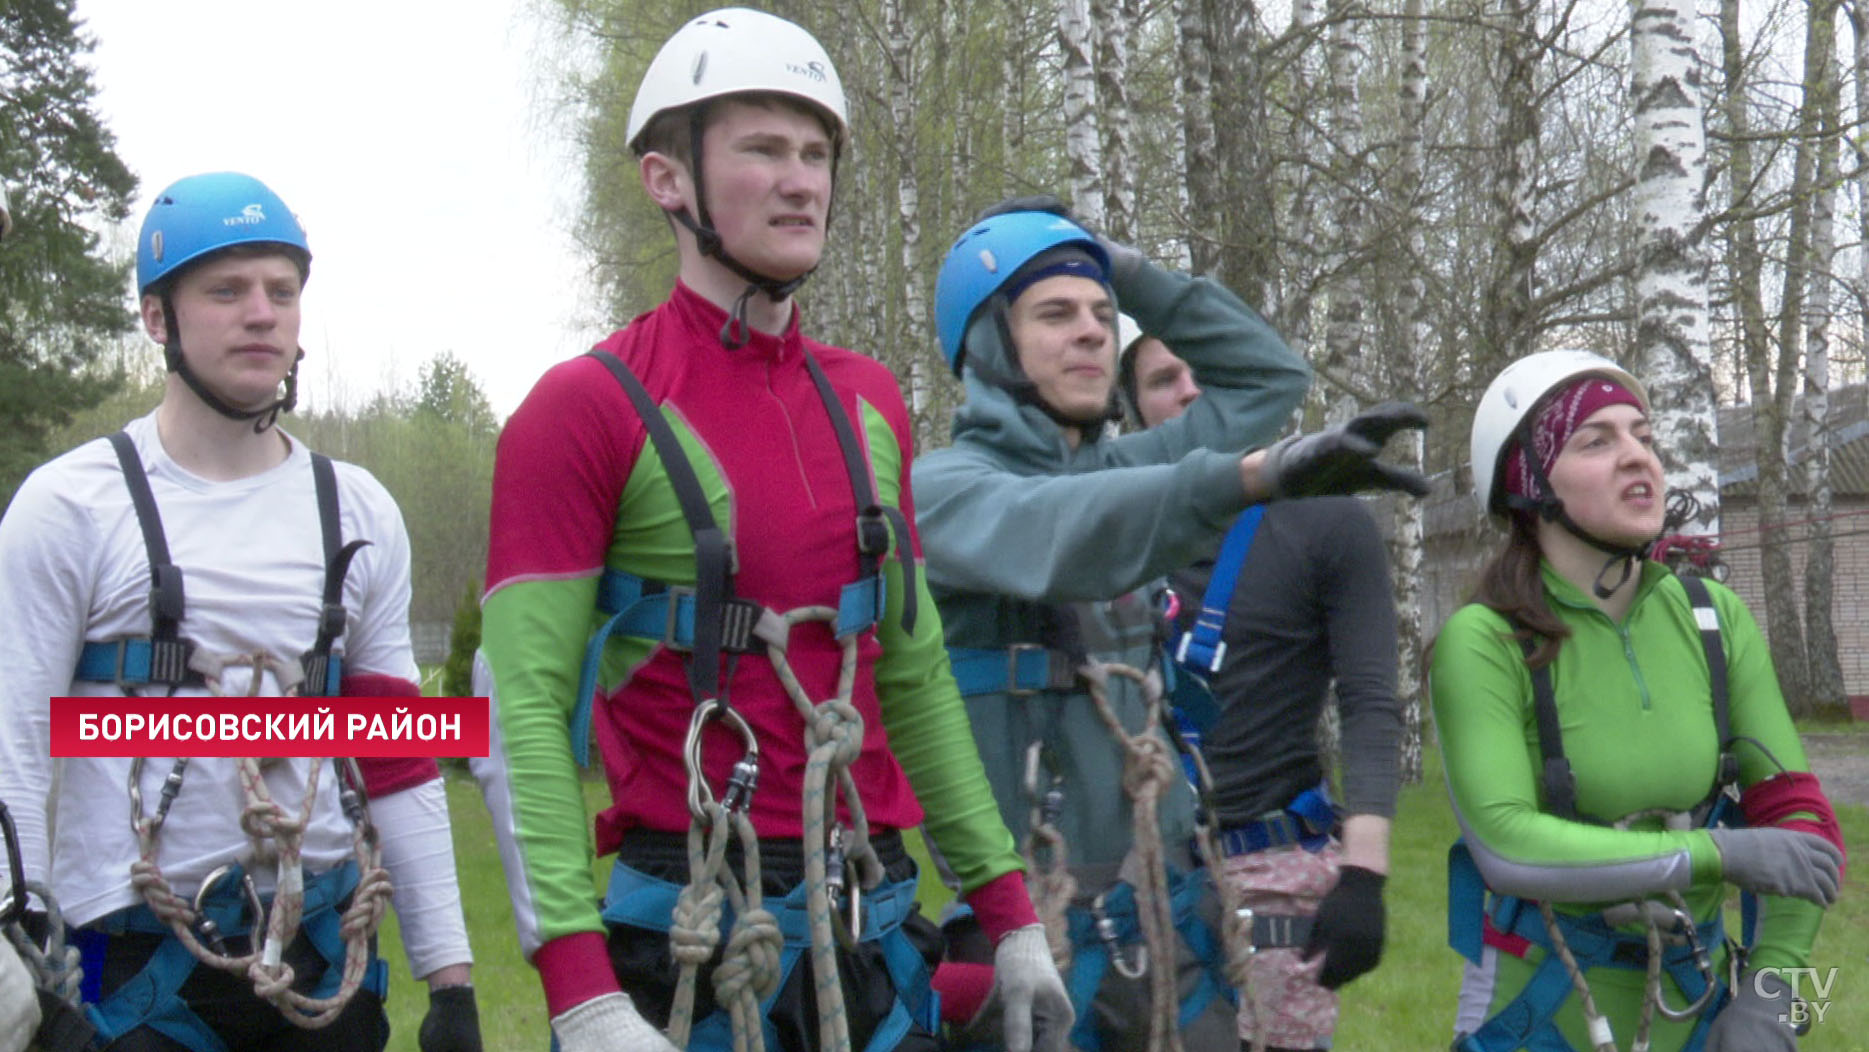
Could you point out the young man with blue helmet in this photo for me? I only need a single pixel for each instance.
(1044, 536)
(701, 559)
(277, 571)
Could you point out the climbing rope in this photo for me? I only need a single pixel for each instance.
(1654, 998)
(55, 967)
(1236, 937)
(1048, 859)
(833, 741)
(275, 835)
(1150, 766)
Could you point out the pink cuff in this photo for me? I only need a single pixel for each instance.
(963, 988)
(1002, 905)
(574, 969)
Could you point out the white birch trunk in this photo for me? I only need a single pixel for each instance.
(1116, 22)
(1302, 216)
(1077, 42)
(1820, 637)
(1343, 332)
(1201, 164)
(1515, 188)
(1405, 552)
(908, 203)
(1673, 347)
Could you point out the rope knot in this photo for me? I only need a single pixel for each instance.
(838, 723)
(751, 961)
(694, 929)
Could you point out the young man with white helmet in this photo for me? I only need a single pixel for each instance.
(726, 503)
(276, 571)
(1589, 847)
(1045, 538)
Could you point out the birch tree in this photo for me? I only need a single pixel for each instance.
(1116, 22)
(908, 203)
(1826, 674)
(1077, 39)
(1201, 164)
(1672, 328)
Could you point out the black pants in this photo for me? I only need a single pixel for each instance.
(648, 973)
(227, 1004)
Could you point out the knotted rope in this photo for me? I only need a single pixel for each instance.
(1650, 914)
(273, 833)
(1149, 768)
(1235, 919)
(1048, 862)
(56, 968)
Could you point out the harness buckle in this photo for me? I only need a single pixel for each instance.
(168, 661)
(1244, 915)
(872, 532)
(1012, 669)
(738, 620)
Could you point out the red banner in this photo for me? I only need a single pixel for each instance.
(197, 726)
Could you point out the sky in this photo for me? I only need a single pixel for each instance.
(435, 190)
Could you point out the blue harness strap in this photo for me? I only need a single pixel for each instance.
(1090, 956)
(1307, 821)
(1021, 669)
(1201, 649)
(161, 658)
(641, 901)
(151, 997)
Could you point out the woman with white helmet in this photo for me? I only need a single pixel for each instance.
(1617, 751)
(697, 485)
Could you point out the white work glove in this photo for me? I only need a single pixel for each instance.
(1027, 996)
(1754, 1022)
(19, 1001)
(609, 1023)
(1780, 862)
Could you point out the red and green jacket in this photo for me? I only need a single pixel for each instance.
(578, 489)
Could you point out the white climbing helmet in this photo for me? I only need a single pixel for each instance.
(1127, 333)
(732, 51)
(1511, 397)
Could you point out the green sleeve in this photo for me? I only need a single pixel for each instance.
(922, 710)
(1787, 926)
(1481, 696)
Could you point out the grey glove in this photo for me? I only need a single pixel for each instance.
(1780, 862)
(1342, 459)
(1757, 1019)
(1027, 1002)
(609, 1023)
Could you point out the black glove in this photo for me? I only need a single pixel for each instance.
(1757, 1019)
(1348, 927)
(453, 1021)
(1342, 460)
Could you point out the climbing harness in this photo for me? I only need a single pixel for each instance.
(1672, 942)
(842, 871)
(164, 658)
(167, 659)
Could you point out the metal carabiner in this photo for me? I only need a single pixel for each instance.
(1703, 962)
(205, 926)
(745, 776)
(1106, 934)
(171, 786)
(841, 884)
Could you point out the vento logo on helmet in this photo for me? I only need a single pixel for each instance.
(813, 69)
(251, 215)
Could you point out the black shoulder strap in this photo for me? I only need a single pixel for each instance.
(1560, 784)
(337, 556)
(713, 561)
(1707, 619)
(166, 599)
(874, 522)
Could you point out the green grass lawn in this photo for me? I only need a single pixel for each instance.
(1406, 1004)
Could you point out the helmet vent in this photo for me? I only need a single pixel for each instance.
(700, 66)
(987, 261)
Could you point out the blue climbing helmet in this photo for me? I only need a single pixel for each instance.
(987, 255)
(202, 214)
(190, 221)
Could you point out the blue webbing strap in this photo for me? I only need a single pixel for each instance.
(1201, 648)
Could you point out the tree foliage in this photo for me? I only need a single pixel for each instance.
(61, 290)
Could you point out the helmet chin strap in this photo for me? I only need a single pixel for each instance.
(736, 332)
(263, 418)
(1549, 508)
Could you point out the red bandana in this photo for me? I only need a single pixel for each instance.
(1557, 422)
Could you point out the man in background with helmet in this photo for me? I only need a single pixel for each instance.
(737, 125)
(241, 509)
(1040, 530)
(1309, 610)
